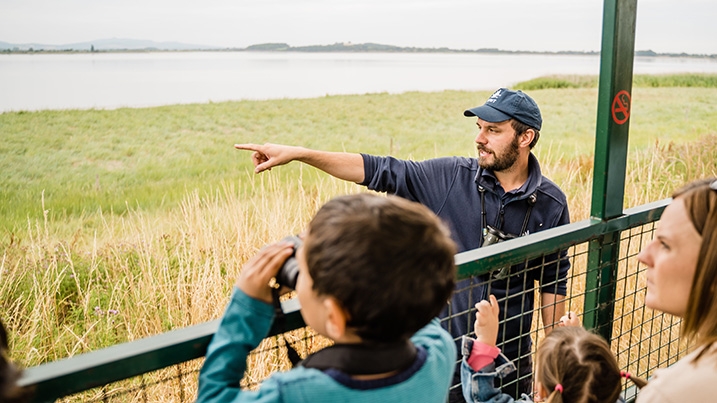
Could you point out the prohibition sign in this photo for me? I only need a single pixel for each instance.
(621, 107)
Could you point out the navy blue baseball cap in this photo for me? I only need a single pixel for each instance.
(505, 104)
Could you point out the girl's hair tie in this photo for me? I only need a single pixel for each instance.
(559, 388)
(625, 374)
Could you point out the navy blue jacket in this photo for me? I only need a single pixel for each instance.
(450, 187)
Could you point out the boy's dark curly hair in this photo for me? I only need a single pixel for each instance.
(388, 261)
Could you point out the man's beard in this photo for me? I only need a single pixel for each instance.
(501, 162)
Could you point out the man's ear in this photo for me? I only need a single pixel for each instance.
(525, 138)
(336, 318)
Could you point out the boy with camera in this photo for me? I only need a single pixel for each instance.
(374, 272)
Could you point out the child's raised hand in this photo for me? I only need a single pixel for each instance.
(570, 319)
(486, 324)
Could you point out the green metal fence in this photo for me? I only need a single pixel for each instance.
(165, 367)
(605, 285)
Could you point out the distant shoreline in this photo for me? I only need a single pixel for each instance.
(283, 47)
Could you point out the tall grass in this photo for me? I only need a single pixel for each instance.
(122, 224)
(143, 273)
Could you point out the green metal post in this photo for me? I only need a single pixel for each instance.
(613, 118)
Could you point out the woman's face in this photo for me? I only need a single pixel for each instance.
(671, 260)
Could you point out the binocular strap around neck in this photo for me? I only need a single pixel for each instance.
(364, 358)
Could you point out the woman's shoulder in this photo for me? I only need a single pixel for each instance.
(691, 379)
(703, 358)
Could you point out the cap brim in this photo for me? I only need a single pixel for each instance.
(487, 113)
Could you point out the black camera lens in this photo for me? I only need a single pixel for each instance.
(289, 272)
(493, 235)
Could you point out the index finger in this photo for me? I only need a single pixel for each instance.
(494, 304)
(250, 147)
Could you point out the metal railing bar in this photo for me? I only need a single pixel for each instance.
(483, 260)
(115, 363)
(122, 361)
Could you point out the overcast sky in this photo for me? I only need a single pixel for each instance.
(664, 26)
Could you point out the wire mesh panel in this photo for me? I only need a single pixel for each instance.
(271, 355)
(642, 339)
(177, 383)
(528, 293)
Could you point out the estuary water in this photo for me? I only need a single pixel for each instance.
(113, 80)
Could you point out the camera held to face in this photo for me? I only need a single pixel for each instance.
(289, 272)
(492, 235)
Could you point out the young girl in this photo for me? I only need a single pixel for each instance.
(572, 364)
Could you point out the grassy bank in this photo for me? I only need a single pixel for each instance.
(120, 224)
(639, 80)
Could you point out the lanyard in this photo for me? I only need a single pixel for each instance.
(532, 199)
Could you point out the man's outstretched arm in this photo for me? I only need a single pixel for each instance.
(346, 166)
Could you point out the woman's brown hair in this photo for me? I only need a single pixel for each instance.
(699, 324)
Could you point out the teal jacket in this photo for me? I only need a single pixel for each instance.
(246, 323)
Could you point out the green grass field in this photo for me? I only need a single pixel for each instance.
(81, 162)
(119, 224)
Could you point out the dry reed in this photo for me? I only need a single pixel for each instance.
(142, 274)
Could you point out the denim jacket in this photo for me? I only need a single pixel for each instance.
(478, 386)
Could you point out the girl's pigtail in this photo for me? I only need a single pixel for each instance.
(556, 396)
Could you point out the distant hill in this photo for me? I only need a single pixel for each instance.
(136, 45)
(375, 47)
(112, 44)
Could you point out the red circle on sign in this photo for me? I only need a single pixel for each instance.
(621, 107)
